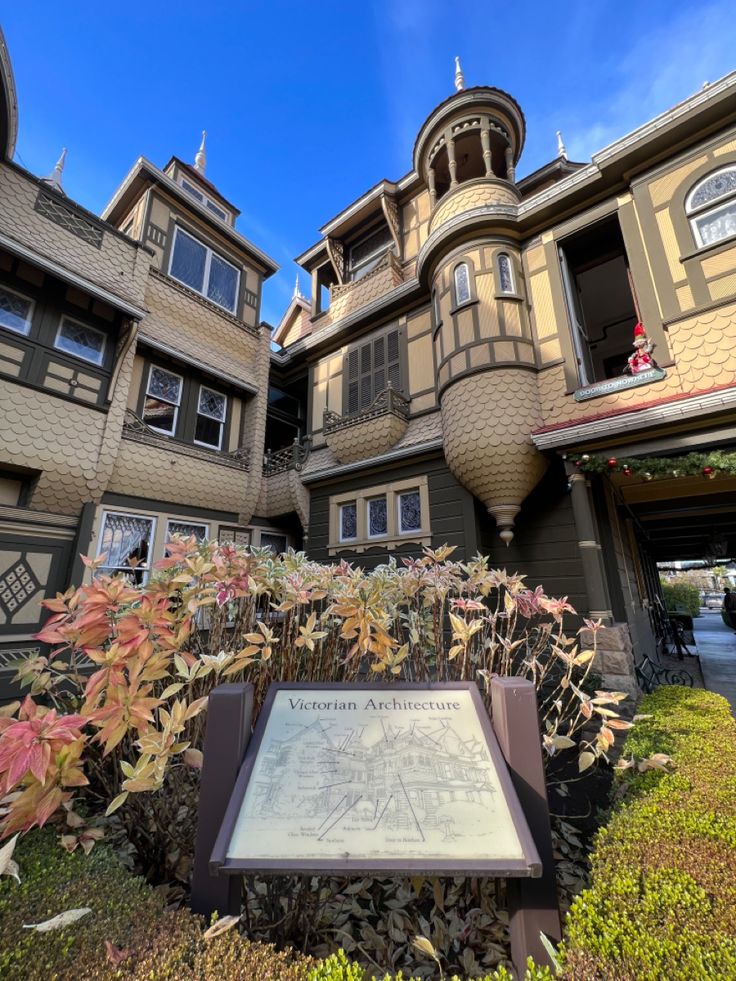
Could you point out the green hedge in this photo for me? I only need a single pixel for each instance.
(662, 904)
(680, 595)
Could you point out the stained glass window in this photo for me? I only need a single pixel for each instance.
(348, 522)
(81, 341)
(186, 529)
(377, 517)
(505, 274)
(410, 511)
(210, 423)
(277, 543)
(126, 542)
(462, 284)
(202, 270)
(163, 397)
(714, 223)
(15, 311)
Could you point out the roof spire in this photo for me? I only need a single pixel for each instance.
(200, 161)
(459, 77)
(297, 291)
(54, 178)
(561, 151)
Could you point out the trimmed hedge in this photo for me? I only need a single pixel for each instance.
(680, 594)
(662, 904)
(161, 945)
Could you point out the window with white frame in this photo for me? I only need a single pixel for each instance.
(16, 311)
(211, 412)
(505, 273)
(204, 271)
(378, 517)
(348, 521)
(80, 340)
(203, 199)
(461, 277)
(126, 541)
(711, 207)
(162, 401)
(409, 506)
(187, 529)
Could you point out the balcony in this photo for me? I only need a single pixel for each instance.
(349, 297)
(290, 458)
(483, 192)
(134, 428)
(370, 432)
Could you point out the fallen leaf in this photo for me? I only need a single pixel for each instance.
(116, 955)
(57, 922)
(221, 926)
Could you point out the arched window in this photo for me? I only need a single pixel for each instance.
(711, 207)
(505, 274)
(462, 284)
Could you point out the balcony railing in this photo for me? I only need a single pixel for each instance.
(290, 458)
(134, 428)
(388, 402)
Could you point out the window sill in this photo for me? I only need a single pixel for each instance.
(509, 296)
(413, 538)
(463, 306)
(722, 245)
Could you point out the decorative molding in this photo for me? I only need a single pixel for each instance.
(391, 214)
(135, 429)
(337, 257)
(387, 401)
(66, 217)
(156, 235)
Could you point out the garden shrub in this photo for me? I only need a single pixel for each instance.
(338, 968)
(662, 900)
(679, 595)
(156, 943)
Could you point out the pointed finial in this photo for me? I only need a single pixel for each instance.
(200, 161)
(54, 178)
(459, 77)
(561, 151)
(297, 291)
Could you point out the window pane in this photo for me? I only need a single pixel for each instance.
(159, 415)
(223, 285)
(504, 274)
(377, 517)
(188, 261)
(714, 187)
(348, 522)
(208, 431)
(462, 284)
(164, 385)
(192, 190)
(212, 404)
(186, 530)
(717, 225)
(410, 511)
(126, 542)
(277, 543)
(83, 342)
(218, 211)
(15, 312)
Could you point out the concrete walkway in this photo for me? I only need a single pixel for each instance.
(717, 650)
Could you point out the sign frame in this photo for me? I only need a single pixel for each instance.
(530, 866)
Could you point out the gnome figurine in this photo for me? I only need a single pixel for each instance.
(641, 359)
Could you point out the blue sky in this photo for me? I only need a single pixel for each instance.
(309, 104)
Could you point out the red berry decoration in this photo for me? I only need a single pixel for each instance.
(709, 472)
(612, 463)
(627, 471)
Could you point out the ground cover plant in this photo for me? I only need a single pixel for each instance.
(108, 742)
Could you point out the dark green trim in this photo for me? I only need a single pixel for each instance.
(82, 543)
(561, 315)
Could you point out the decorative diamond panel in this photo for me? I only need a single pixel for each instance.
(17, 585)
(61, 214)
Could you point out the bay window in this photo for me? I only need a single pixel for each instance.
(204, 271)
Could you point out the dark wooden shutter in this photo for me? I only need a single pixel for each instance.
(366, 375)
(370, 367)
(393, 359)
(353, 384)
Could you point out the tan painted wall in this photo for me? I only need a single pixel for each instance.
(415, 224)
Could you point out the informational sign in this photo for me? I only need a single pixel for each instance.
(620, 384)
(375, 777)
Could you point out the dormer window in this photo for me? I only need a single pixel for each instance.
(204, 271)
(367, 252)
(203, 199)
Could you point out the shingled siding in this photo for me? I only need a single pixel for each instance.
(545, 546)
(451, 513)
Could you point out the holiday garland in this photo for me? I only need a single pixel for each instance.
(707, 465)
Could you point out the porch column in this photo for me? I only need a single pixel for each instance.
(591, 553)
(485, 142)
(451, 162)
(510, 172)
(432, 188)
